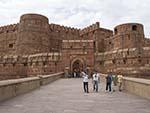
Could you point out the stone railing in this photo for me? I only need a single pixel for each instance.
(137, 86)
(15, 87)
(50, 78)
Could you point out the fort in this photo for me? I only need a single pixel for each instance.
(36, 47)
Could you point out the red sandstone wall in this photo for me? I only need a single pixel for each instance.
(125, 51)
(8, 36)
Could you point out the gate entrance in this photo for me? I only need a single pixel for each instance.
(77, 67)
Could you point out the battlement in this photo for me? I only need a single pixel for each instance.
(57, 27)
(8, 28)
(90, 28)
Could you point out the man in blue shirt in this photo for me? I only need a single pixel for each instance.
(108, 82)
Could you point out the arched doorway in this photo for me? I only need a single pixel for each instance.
(76, 67)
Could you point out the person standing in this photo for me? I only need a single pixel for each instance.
(96, 80)
(120, 77)
(85, 82)
(74, 74)
(108, 82)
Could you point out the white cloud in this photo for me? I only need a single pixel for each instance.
(79, 13)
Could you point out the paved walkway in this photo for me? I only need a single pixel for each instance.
(66, 96)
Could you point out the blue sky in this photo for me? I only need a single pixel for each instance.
(79, 13)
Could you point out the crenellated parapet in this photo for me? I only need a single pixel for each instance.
(90, 28)
(58, 28)
(9, 28)
(41, 57)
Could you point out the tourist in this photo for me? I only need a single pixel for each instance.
(96, 80)
(74, 74)
(120, 77)
(108, 82)
(85, 82)
(115, 80)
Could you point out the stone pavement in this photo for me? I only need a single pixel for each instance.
(66, 96)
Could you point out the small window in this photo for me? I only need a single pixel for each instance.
(134, 27)
(109, 42)
(116, 31)
(4, 65)
(114, 61)
(84, 48)
(124, 61)
(11, 45)
(128, 52)
(101, 62)
(14, 64)
(55, 63)
(94, 44)
(139, 60)
(44, 63)
(25, 64)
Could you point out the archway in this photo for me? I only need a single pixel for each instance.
(76, 67)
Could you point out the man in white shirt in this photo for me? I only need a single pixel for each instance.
(85, 82)
(96, 80)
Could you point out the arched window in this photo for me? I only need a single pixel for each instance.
(134, 27)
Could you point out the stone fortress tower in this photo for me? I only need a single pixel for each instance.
(33, 34)
(129, 35)
(36, 47)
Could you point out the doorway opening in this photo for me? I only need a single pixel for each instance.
(77, 68)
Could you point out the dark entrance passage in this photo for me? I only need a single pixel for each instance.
(77, 67)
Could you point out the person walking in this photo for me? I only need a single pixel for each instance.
(108, 82)
(85, 82)
(96, 80)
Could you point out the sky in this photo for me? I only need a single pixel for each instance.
(80, 13)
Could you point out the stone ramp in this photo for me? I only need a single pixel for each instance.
(66, 96)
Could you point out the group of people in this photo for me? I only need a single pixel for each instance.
(116, 79)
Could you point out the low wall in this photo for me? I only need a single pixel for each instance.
(137, 86)
(46, 79)
(15, 87)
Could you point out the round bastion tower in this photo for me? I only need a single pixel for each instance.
(128, 35)
(33, 34)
